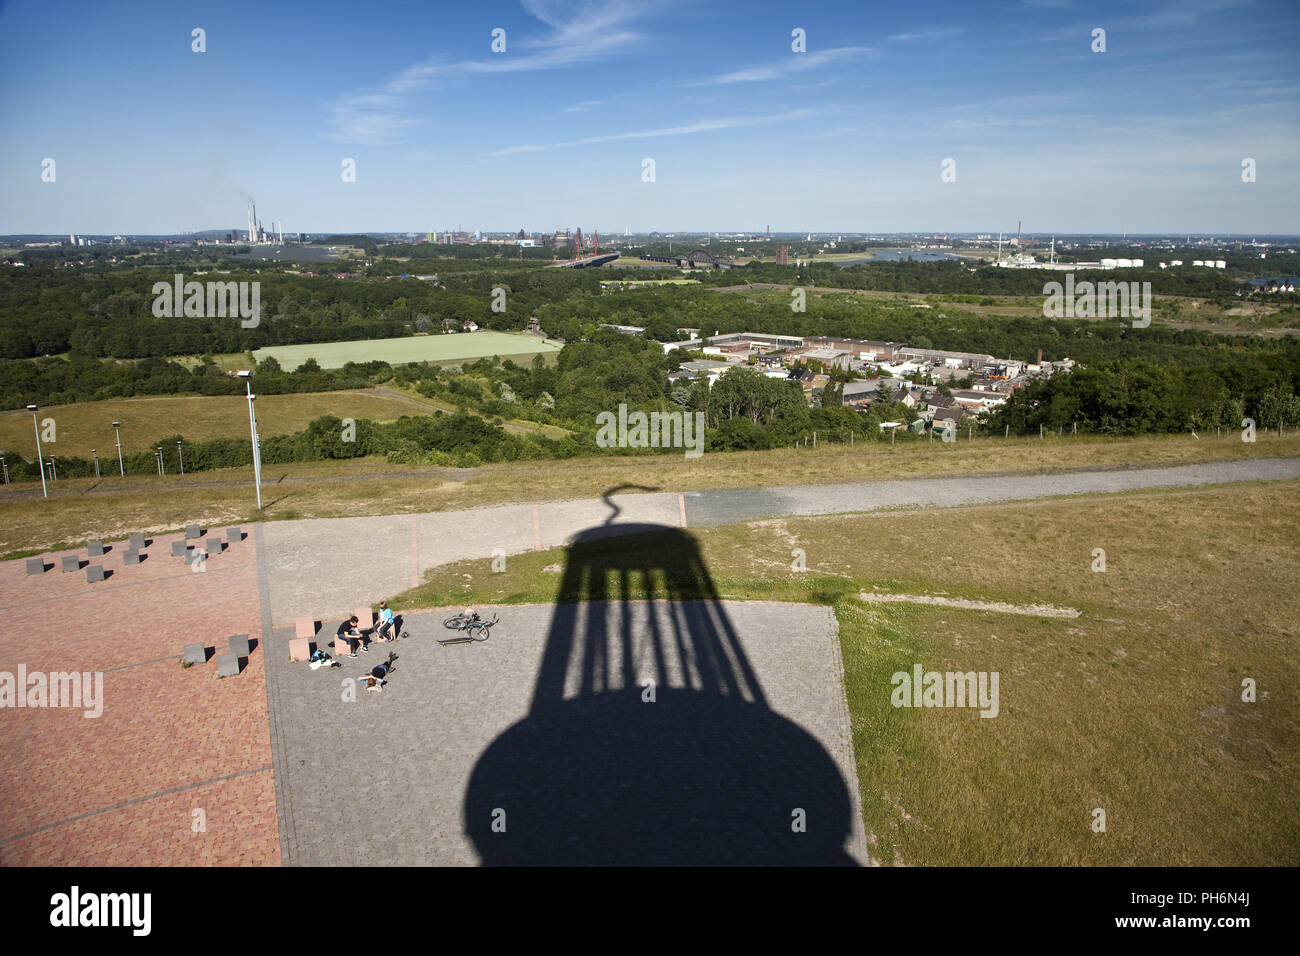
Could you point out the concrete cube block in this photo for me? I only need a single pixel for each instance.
(227, 665)
(130, 556)
(95, 573)
(304, 627)
(95, 549)
(193, 531)
(365, 618)
(179, 548)
(35, 565)
(341, 647)
(196, 654)
(71, 563)
(214, 545)
(137, 542)
(239, 645)
(234, 534)
(300, 649)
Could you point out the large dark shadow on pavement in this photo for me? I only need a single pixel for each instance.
(708, 775)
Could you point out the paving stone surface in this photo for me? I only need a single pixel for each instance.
(385, 779)
(118, 789)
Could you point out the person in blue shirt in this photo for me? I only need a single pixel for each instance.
(387, 629)
(384, 632)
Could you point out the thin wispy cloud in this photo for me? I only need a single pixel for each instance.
(579, 32)
(701, 126)
(794, 63)
(943, 33)
(380, 115)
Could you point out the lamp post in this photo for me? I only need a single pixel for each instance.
(120, 467)
(247, 376)
(160, 460)
(5, 468)
(96, 457)
(54, 472)
(181, 456)
(40, 456)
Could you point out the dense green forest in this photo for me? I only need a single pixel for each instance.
(98, 320)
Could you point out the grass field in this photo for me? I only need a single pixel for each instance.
(419, 348)
(86, 425)
(1134, 707)
(82, 508)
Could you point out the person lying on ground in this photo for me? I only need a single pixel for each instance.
(379, 674)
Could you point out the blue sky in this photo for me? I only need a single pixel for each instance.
(150, 137)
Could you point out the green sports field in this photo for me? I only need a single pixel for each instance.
(456, 347)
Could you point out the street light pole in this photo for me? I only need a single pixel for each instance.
(54, 471)
(96, 457)
(252, 428)
(120, 467)
(5, 468)
(40, 455)
(161, 471)
(181, 456)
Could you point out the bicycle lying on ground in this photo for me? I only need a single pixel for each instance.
(471, 626)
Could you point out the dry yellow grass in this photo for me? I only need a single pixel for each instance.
(83, 508)
(1135, 707)
(87, 425)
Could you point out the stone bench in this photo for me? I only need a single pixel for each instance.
(239, 645)
(95, 573)
(228, 665)
(137, 542)
(130, 556)
(196, 654)
(94, 549)
(179, 548)
(35, 565)
(71, 563)
(234, 534)
(193, 531)
(304, 630)
(214, 545)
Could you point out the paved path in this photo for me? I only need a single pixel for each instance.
(585, 772)
(328, 566)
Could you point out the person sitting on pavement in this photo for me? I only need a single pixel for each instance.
(348, 632)
(384, 632)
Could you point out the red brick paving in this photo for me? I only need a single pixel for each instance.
(163, 726)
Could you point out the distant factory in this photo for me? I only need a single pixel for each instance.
(257, 235)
